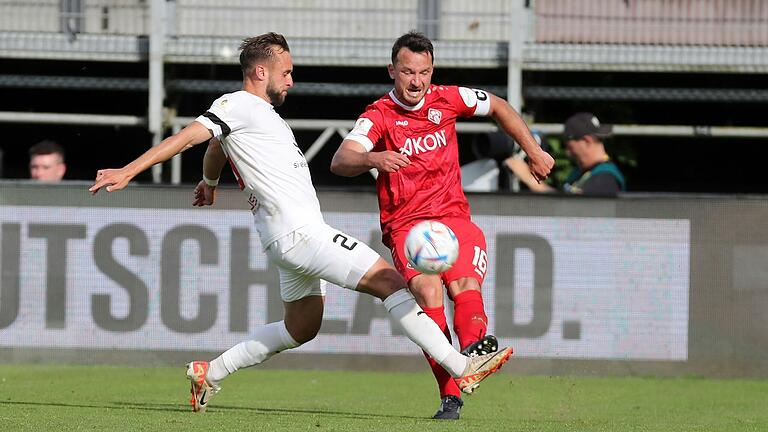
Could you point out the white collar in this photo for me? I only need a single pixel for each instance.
(404, 106)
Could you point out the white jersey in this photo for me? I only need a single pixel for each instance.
(268, 164)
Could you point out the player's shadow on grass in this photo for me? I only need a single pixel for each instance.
(287, 411)
(184, 408)
(114, 405)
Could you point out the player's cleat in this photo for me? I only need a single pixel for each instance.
(201, 390)
(450, 407)
(488, 344)
(480, 367)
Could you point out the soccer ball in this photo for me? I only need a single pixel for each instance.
(431, 247)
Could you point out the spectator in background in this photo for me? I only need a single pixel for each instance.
(46, 161)
(595, 174)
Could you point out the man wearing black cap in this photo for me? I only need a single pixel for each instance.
(595, 173)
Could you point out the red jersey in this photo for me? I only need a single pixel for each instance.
(430, 186)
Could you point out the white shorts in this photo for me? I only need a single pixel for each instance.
(316, 252)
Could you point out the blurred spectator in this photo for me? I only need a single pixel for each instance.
(46, 161)
(595, 174)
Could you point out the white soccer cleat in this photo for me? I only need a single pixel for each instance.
(481, 367)
(201, 390)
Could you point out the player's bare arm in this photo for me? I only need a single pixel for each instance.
(213, 162)
(351, 159)
(539, 161)
(116, 179)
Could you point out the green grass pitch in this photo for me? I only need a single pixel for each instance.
(78, 398)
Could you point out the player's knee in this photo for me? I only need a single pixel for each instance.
(381, 288)
(381, 280)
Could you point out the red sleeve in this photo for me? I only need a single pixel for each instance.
(369, 128)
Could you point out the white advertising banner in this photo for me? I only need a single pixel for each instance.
(158, 279)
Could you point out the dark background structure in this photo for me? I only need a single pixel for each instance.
(698, 164)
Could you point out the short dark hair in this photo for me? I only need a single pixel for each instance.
(260, 48)
(415, 42)
(46, 147)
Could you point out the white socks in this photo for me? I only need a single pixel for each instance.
(420, 328)
(266, 341)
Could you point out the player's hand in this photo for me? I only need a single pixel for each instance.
(110, 179)
(204, 195)
(388, 161)
(541, 165)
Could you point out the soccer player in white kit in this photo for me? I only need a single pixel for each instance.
(243, 128)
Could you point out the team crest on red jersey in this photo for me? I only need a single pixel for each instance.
(434, 115)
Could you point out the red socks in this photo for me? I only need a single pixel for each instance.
(445, 381)
(469, 320)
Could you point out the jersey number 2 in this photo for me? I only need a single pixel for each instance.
(343, 241)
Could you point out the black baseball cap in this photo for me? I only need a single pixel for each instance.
(584, 123)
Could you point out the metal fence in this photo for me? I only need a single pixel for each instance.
(714, 35)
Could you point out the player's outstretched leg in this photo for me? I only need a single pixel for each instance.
(201, 390)
(481, 367)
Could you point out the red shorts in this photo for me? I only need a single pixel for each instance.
(472, 261)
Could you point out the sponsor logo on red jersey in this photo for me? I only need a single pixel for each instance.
(423, 144)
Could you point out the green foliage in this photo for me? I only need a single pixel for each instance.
(624, 154)
(99, 398)
(563, 165)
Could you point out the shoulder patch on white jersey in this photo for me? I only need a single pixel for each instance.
(362, 126)
(224, 104)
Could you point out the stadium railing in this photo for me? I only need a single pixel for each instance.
(556, 34)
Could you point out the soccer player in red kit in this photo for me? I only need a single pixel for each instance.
(409, 137)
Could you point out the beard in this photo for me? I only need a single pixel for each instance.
(276, 96)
